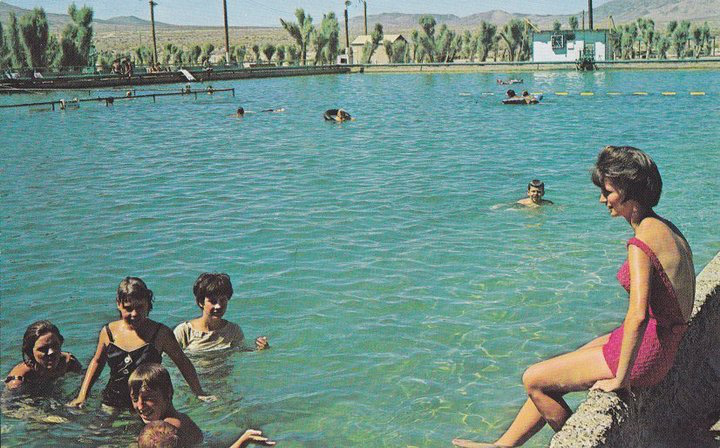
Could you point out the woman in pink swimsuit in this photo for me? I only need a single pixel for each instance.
(659, 277)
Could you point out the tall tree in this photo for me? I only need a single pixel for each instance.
(280, 52)
(35, 35)
(427, 38)
(375, 38)
(76, 38)
(4, 52)
(487, 39)
(301, 31)
(330, 29)
(15, 44)
(680, 36)
(573, 23)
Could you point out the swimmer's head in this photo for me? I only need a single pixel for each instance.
(158, 434)
(241, 111)
(151, 391)
(510, 93)
(525, 93)
(47, 354)
(536, 190)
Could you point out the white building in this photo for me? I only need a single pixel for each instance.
(379, 56)
(568, 46)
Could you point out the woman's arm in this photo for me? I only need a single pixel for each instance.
(169, 345)
(97, 363)
(72, 363)
(636, 319)
(16, 377)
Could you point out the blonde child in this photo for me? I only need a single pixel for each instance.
(130, 342)
(160, 434)
(210, 331)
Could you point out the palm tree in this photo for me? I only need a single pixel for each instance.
(318, 41)
(512, 34)
(300, 31)
(256, 51)
(557, 26)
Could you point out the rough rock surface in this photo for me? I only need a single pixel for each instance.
(677, 413)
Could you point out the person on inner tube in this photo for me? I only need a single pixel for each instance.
(342, 115)
(530, 99)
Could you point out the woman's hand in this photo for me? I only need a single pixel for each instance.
(609, 385)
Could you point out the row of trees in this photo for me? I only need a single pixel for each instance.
(27, 42)
(640, 39)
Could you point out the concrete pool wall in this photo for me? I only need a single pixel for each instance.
(680, 411)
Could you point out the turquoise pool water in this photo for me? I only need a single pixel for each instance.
(401, 293)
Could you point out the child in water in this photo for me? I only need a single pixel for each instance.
(129, 342)
(210, 331)
(161, 434)
(43, 360)
(535, 192)
(151, 392)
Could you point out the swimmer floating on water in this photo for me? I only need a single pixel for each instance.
(338, 115)
(240, 113)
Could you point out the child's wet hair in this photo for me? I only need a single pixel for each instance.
(158, 434)
(132, 290)
(212, 285)
(151, 377)
(32, 334)
(537, 183)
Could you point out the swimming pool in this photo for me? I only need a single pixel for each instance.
(401, 293)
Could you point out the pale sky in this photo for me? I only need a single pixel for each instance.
(268, 12)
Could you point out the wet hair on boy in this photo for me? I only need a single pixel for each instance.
(158, 434)
(151, 377)
(212, 285)
(537, 184)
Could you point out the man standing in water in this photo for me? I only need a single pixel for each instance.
(535, 192)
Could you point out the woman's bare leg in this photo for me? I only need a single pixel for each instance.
(546, 383)
(529, 419)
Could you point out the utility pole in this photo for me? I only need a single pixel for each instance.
(227, 37)
(152, 22)
(590, 18)
(365, 15)
(583, 20)
(347, 34)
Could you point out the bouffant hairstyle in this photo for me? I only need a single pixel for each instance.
(631, 171)
(212, 285)
(133, 290)
(151, 376)
(158, 434)
(32, 334)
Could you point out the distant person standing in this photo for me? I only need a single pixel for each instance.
(535, 193)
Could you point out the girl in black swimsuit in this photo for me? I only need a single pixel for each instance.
(133, 340)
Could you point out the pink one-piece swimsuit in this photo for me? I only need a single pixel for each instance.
(664, 331)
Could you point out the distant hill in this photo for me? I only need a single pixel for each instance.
(622, 11)
(58, 21)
